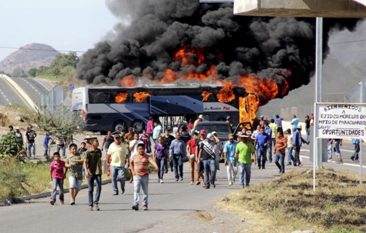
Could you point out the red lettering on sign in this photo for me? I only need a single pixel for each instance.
(225, 108)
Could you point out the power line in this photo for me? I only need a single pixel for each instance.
(45, 50)
(346, 42)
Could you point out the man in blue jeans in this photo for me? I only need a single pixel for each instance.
(93, 172)
(244, 154)
(262, 140)
(356, 144)
(206, 156)
(177, 151)
(119, 153)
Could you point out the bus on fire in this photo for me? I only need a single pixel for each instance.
(118, 108)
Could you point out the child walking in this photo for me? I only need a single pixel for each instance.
(140, 170)
(57, 171)
(74, 163)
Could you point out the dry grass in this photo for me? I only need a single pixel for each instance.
(289, 203)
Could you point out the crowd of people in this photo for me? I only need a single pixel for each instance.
(133, 152)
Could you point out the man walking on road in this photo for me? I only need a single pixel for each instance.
(157, 131)
(177, 151)
(119, 154)
(207, 153)
(244, 154)
(140, 171)
(93, 172)
(262, 140)
(279, 151)
(356, 144)
(30, 136)
(307, 128)
(229, 154)
(297, 141)
(107, 141)
(168, 141)
(274, 128)
(294, 123)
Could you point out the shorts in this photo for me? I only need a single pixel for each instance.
(75, 183)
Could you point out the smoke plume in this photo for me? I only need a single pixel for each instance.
(281, 50)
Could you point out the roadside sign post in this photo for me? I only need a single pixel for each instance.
(360, 153)
(341, 121)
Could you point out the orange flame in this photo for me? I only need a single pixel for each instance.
(226, 94)
(205, 95)
(248, 106)
(121, 97)
(140, 96)
(188, 56)
(127, 81)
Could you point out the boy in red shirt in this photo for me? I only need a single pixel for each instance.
(57, 171)
(191, 151)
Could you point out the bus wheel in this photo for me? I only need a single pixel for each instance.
(119, 126)
(138, 126)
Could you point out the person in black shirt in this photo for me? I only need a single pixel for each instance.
(30, 136)
(168, 140)
(107, 141)
(307, 127)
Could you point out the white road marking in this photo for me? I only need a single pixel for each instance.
(5, 97)
(347, 164)
(48, 89)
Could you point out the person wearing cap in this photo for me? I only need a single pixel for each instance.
(199, 119)
(230, 122)
(279, 151)
(140, 171)
(229, 154)
(262, 140)
(118, 154)
(207, 154)
(88, 142)
(297, 141)
(177, 151)
(191, 150)
(244, 157)
(93, 172)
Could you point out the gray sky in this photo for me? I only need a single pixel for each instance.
(64, 25)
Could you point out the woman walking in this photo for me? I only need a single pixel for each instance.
(160, 155)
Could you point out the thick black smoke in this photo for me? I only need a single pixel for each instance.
(159, 28)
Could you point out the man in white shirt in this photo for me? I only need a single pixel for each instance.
(118, 152)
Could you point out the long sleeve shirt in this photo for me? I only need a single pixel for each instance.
(177, 147)
(297, 140)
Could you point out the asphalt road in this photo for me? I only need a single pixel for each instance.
(34, 87)
(9, 95)
(173, 206)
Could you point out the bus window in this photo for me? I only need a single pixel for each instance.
(99, 97)
(121, 97)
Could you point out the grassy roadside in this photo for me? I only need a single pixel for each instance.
(289, 203)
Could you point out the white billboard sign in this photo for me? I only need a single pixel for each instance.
(340, 120)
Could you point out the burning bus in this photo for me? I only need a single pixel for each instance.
(118, 108)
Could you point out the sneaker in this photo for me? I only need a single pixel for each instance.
(353, 159)
(135, 207)
(115, 194)
(263, 167)
(230, 183)
(289, 164)
(176, 179)
(145, 208)
(259, 167)
(214, 185)
(181, 179)
(72, 202)
(61, 202)
(161, 181)
(207, 187)
(123, 190)
(52, 202)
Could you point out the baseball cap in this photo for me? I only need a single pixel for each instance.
(17, 128)
(200, 116)
(202, 131)
(214, 132)
(209, 136)
(228, 117)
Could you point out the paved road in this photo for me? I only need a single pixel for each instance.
(9, 95)
(172, 207)
(34, 87)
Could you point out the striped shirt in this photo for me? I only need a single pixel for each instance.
(141, 164)
(281, 142)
